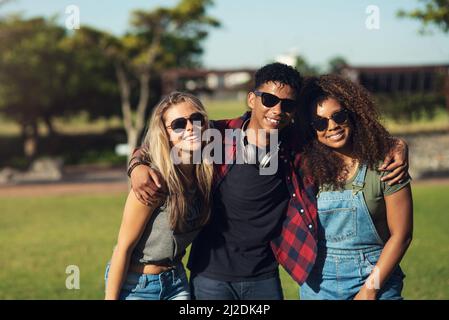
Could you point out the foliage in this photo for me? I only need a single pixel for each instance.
(336, 64)
(435, 12)
(159, 39)
(409, 107)
(42, 78)
(45, 72)
(304, 68)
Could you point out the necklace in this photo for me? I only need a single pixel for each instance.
(349, 170)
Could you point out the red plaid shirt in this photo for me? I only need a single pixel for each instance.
(296, 247)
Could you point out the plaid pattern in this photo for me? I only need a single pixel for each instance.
(296, 247)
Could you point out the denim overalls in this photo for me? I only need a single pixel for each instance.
(348, 247)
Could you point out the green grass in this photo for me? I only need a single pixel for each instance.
(225, 109)
(230, 109)
(40, 237)
(75, 125)
(439, 122)
(80, 124)
(427, 261)
(217, 110)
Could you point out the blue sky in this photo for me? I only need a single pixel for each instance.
(254, 32)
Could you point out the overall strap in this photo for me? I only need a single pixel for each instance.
(359, 181)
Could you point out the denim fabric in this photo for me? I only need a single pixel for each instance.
(169, 285)
(340, 275)
(209, 289)
(348, 247)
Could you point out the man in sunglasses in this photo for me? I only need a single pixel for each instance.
(257, 221)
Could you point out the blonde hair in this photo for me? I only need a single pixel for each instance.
(156, 149)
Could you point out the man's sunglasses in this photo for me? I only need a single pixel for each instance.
(339, 117)
(179, 124)
(270, 100)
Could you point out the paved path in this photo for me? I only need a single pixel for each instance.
(79, 181)
(40, 190)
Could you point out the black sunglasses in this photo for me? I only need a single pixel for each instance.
(179, 124)
(270, 100)
(339, 117)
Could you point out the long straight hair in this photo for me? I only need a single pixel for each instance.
(156, 149)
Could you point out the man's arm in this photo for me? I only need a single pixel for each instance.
(146, 182)
(396, 162)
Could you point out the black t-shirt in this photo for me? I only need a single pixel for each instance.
(247, 214)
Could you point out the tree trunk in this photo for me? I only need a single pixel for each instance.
(125, 95)
(50, 127)
(133, 128)
(132, 143)
(31, 136)
(143, 103)
(133, 135)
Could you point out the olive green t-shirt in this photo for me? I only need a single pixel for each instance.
(374, 192)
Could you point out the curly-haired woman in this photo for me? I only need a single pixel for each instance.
(365, 224)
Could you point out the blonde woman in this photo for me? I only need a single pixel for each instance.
(146, 263)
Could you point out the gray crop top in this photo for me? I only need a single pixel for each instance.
(159, 244)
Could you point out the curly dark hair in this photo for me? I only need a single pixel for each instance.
(279, 72)
(370, 140)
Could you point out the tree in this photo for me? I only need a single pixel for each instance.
(436, 12)
(40, 78)
(305, 68)
(26, 47)
(93, 87)
(159, 39)
(408, 107)
(3, 2)
(336, 64)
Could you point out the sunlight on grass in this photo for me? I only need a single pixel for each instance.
(225, 109)
(440, 122)
(40, 237)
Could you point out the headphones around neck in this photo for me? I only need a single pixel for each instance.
(250, 151)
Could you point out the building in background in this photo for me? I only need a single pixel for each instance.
(235, 83)
(216, 84)
(402, 79)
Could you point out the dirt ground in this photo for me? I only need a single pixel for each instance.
(76, 180)
(39, 190)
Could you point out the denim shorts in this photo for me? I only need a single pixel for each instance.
(169, 285)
